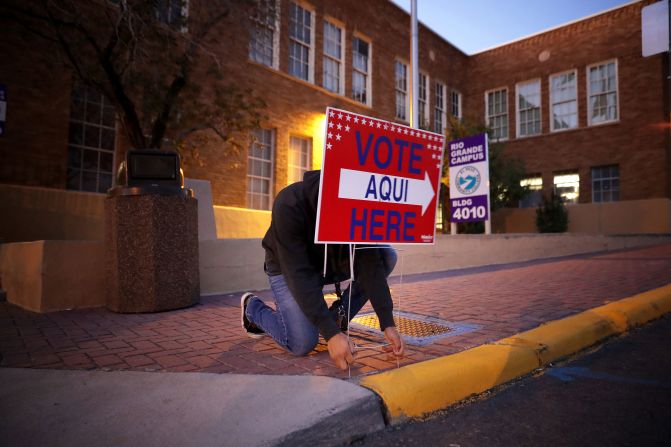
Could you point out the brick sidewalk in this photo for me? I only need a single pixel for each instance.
(503, 300)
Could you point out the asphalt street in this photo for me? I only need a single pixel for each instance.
(618, 394)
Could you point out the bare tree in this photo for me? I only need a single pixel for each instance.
(149, 59)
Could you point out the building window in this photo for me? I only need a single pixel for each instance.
(456, 104)
(602, 92)
(260, 169)
(172, 12)
(497, 113)
(264, 39)
(300, 158)
(567, 186)
(534, 198)
(300, 42)
(401, 91)
(606, 184)
(361, 70)
(439, 110)
(529, 108)
(91, 141)
(423, 101)
(333, 55)
(564, 101)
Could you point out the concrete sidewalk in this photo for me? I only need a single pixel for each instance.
(502, 301)
(126, 408)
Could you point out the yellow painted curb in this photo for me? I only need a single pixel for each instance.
(416, 389)
(420, 388)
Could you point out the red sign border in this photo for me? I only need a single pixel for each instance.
(321, 181)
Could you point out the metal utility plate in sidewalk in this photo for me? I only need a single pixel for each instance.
(416, 329)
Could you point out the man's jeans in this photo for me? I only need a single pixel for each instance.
(288, 325)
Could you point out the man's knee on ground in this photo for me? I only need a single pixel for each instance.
(303, 346)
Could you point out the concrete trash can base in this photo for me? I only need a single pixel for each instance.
(152, 251)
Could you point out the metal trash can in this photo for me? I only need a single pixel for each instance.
(151, 236)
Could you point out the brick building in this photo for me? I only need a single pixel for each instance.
(578, 104)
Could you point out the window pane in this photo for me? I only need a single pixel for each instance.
(105, 182)
(106, 161)
(89, 181)
(90, 160)
(73, 180)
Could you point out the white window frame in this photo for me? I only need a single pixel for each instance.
(602, 179)
(589, 93)
(271, 179)
(552, 104)
(535, 185)
(299, 167)
(397, 90)
(311, 46)
(83, 147)
(369, 74)
(459, 97)
(340, 62)
(565, 176)
(439, 109)
(518, 122)
(424, 118)
(184, 15)
(507, 113)
(275, 29)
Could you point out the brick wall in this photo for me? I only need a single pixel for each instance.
(33, 149)
(636, 142)
(295, 107)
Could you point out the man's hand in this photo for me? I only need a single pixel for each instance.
(397, 343)
(340, 350)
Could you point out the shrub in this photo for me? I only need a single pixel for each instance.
(551, 215)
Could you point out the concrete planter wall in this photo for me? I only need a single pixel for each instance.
(55, 275)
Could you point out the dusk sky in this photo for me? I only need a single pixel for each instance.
(475, 25)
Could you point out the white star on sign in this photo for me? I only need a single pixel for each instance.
(412, 133)
(329, 145)
(338, 137)
(438, 165)
(385, 127)
(363, 121)
(330, 123)
(330, 135)
(346, 128)
(370, 123)
(332, 113)
(348, 117)
(340, 116)
(378, 125)
(393, 128)
(339, 126)
(356, 119)
(405, 131)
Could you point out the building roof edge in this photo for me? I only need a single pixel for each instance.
(554, 28)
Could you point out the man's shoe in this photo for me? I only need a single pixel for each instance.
(250, 328)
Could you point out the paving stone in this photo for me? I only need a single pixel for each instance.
(504, 300)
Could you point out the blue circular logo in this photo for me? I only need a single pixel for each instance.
(467, 180)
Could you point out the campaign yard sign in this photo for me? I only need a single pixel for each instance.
(379, 181)
(469, 178)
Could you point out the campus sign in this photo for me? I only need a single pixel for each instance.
(379, 182)
(469, 179)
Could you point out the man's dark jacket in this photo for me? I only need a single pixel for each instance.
(291, 251)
